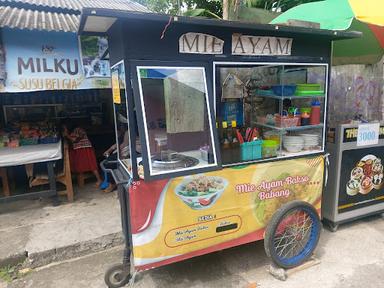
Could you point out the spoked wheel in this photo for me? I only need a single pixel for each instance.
(117, 276)
(292, 234)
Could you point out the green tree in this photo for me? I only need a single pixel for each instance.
(214, 8)
(207, 8)
(161, 6)
(276, 5)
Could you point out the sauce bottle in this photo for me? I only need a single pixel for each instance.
(234, 136)
(305, 116)
(235, 145)
(315, 113)
(225, 142)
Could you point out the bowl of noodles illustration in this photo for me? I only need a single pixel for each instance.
(201, 192)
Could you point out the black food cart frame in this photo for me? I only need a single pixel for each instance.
(147, 47)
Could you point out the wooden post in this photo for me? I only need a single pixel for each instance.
(68, 174)
(4, 179)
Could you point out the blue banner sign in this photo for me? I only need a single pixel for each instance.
(41, 60)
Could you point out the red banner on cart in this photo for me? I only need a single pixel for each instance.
(180, 218)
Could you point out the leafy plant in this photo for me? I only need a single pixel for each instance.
(8, 273)
(214, 8)
(210, 8)
(276, 5)
(201, 13)
(12, 272)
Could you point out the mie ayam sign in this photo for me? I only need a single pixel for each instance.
(247, 45)
(260, 46)
(199, 43)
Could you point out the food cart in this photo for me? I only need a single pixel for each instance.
(356, 186)
(230, 119)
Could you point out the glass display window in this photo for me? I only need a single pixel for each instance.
(270, 110)
(123, 144)
(177, 119)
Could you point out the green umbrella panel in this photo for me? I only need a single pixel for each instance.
(338, 15)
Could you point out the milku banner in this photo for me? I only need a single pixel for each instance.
(41, 60)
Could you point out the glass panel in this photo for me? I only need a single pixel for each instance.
(177, 118)
(269, 111)
(121, 115)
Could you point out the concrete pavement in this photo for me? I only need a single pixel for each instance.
(353, 257)
(36, 230)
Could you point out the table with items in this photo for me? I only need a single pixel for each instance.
(26, 144)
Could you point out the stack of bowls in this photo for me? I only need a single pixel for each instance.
(293, 144)
(311, 141)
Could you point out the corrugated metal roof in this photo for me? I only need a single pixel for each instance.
(39, 20)
(55, 15)
(61, 4)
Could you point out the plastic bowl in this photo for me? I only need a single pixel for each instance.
(200, 202)
(293, 148)
(284, 90)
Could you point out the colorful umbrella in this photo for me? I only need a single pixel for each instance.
(366, 16)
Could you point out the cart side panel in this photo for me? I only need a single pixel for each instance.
(115, 46)
(184, 217)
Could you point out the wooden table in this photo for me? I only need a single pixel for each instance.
(41, 153)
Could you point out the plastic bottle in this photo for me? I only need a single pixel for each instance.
(235, 145)
(233, 136)
(315, 112)
(225, 142)
(305, 116)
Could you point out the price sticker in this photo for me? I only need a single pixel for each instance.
(116, 87)
(368, 134)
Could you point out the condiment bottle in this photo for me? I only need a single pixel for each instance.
(235, 145)
(305, 117)
(234, 136)
(225, 142)
(315, 113)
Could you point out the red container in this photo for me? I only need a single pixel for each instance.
(315, 113)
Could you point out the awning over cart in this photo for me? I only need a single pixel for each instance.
(101, 20)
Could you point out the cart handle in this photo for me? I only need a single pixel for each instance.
(117, 175)
(105, 161)
(326, 157)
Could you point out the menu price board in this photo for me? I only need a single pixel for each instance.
(352, 134)
(361, 179)
(368, 134)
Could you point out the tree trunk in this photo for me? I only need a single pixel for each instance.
(231, 9)
(226, 9)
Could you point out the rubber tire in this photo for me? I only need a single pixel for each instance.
(274, 223)
(115, 270)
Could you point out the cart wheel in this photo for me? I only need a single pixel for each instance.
(117, 276)
(292, 234)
